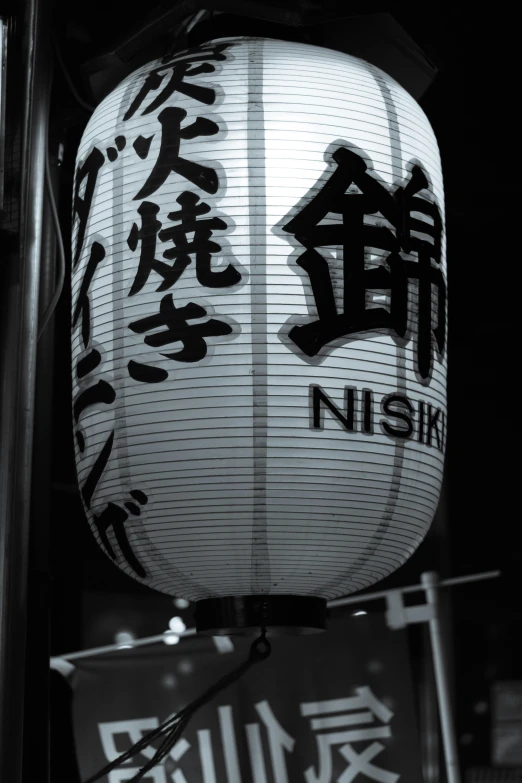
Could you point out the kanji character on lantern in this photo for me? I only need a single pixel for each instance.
(406, 234)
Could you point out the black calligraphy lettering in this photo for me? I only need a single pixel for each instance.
(144, 373)
(151, 83)
(354, 235)
(101, 393)
(182, 68)
(176, 319)
(82, 303)
(96, 471)
(88, 363)
(142, 146)
(147, 235)
(132, 507)
(201, 245)
(113, 516)
(179, 72)
(169, 159)
(82, 206)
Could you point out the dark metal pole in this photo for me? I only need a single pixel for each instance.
(17, 392)
(36, 742)
(442, 680)
(428, 712)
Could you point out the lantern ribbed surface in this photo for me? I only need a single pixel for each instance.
(255, 413)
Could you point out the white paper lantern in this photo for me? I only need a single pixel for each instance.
(259, 318)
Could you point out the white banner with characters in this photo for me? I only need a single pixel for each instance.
(328, 708)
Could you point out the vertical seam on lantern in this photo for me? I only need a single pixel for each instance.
(398, 454)
(260, 581)
(120, 450)
(399, 445)
(134, 526)
(397, 175)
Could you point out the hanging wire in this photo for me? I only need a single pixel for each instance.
(171, 730)
(51, 307)
(61, 251)
(195, 20)
(87, 106)
(183, 30)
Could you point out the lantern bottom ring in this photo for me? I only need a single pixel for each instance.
(245, 615)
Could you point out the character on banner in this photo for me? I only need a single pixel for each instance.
(330, 720)
(269, 744)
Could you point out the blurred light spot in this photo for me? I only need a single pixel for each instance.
(177, 625)
(481, 707)
(170, 638)
(374, 667)
(124, 637)
(357, 614)
(223, 644)
(431, 772)
(169, 680)
(181, 603)
(61, 665)
(125, 647)
(185, 667)
(466, 739)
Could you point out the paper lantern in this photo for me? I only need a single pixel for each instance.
(259, 311)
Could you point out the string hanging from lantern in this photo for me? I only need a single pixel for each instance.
(172, 729)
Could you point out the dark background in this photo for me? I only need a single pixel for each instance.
(471, 104)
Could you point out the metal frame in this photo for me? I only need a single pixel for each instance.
(430, 582)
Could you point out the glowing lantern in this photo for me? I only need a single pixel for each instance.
(259, 312)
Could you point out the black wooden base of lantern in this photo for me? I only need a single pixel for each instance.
(244, 615)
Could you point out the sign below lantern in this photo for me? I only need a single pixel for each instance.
(339, 712)
(259, 327)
